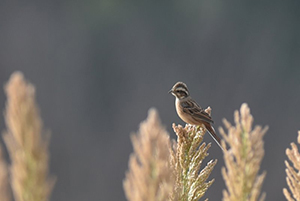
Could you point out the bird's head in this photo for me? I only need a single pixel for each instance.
(179, 90)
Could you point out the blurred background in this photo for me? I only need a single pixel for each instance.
(98, 66)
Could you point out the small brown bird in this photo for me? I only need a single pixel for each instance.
(190, 112)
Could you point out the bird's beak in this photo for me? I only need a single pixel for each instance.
(171, 91)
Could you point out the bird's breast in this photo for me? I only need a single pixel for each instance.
(187, 118)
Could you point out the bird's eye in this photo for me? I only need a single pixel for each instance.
(181, 93)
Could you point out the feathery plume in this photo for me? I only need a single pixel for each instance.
(28, 148)
(187, 156)
(243, 158)
(293, 173)
(149, 177)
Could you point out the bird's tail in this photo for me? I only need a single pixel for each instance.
(213, 134)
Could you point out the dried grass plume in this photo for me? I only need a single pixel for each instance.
(149, 177)
(26, 143)
(293, 173)
(187, 155)
(243, 158)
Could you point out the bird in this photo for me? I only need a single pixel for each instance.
(190, 112)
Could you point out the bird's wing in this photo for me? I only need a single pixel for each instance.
(191, 107)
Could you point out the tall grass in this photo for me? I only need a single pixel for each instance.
(159, 169)
(243, 158)
(293, 172)
(27, 143)
(163, 170)
(243, 153)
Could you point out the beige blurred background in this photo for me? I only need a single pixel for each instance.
(98, 67)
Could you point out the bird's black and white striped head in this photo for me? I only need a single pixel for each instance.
(180, 90)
